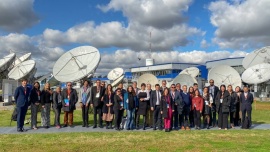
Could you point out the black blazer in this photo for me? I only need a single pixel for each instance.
(45, 97)
(20, 97)
(225, 103)
(163, 106)
(246, 102)
(234, 101)
(117, 103)
(179, 101)
(73, 99)
(216, 90)
(34, 96)
(97, 101)
(105, 109)
(153, 98)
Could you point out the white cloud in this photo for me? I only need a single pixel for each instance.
(204, 44)
(241, 24)
(17, 15)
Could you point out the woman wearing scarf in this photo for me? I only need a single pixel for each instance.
(84, 98)
(167, 108)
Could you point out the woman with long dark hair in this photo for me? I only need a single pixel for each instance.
(108, 106)
(35, 101)
(191, 118)
(130, 105)
(208, 100)
(238, 113)
(223, 107)
(233, 102)
(118, 108)
(166, 109)
(197, 108)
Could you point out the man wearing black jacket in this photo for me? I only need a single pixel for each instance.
(213, 90)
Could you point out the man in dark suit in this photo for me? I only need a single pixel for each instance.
(155, 101)
(21, 97)
(178, 106)
(246, 99)
(213, 90)
(97, 94)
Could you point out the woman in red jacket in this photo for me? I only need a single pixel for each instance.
(197, 108)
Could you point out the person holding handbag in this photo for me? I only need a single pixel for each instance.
(57, 106)
(108, 106)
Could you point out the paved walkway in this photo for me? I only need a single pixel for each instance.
(13, 130)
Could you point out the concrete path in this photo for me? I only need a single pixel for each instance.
(13, 130)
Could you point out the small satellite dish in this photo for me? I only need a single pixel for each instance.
(257, 74)
(184, 79)
(256, 57)
(117, 81)
(76, 64)
(23, 70)
(224, 74)
(148, 78)
(22, 59)
(7, 61)
(192, 71)
(115, 73)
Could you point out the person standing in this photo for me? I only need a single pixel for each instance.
(191, 117)
(70, 98)
(233, 103)
(35, 101)
(118, 108)
(46, 101)
(97, 93)
(149, 113)
(84, 98)
(143, 96)
(136, 89)
(21, 97)
(186, 109)
(246, 99)
(178, 107)
(178, 87)
(130, 104)
(108, 106)
(163, 85)
(57, 106)
(208, 101)
(213, 90)
(155, 101)
(238, 112)
(167, 109)
(197, 108)
(223, 107)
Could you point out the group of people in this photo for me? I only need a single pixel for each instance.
(162, 108)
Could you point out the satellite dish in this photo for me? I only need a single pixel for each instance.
(22, 59)
(224, 74)
(76, 64)
(25, 69)
(256, 57)
(257, 74)
(192, 71)
(184, 79)
(117, 81)
(148, 78)
(115, 73)
(7, 61)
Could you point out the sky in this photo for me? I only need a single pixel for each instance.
(187, 31)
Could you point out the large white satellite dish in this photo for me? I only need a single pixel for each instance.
(117, 81)
(115, 73)
(148, 78)
(192, 71)
(76, 64)
(256, 57)
(184, 79)
(257, 74)
(22, 59)
(7, 61)
(25, 69)
(224, 74)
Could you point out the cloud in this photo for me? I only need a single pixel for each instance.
(204, 44)
(241, 24)
(17, 15)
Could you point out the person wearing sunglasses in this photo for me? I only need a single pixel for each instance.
(213, 90)
(178, 107)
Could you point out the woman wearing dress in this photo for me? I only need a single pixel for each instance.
(197, 108)
(35, 101)
(166, 109)
(46, 100)
(208, 100)
(238, 113)
(143, 96)
(223, 107)
(108, 106)
(118, 108)
(130, 105)
(233, 103)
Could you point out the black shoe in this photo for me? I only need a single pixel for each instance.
(160, 129)
(208, 127)
(19, 130)
(95, 126)
(151, 126)
(47, 127)
(128, 128)
(154, 128)
(87, 126)
(100, 126)
(107, 127)
(143, 127)
(83, 125)
(64, 126)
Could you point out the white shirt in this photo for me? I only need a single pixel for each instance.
(158, 97)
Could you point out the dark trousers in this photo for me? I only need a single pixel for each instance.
(68, 117)
(118, 118)
(98, 111)
(175, 118)
(21, 112)
(191, 118)
(244, 112)
(57, 112)
(233, 120)
(85, 114)
(213, 118)
(223, 119)
(157, 118)
(185, 117)
(197, 118)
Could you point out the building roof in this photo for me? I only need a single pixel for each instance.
(167, 64)
(224, 59)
